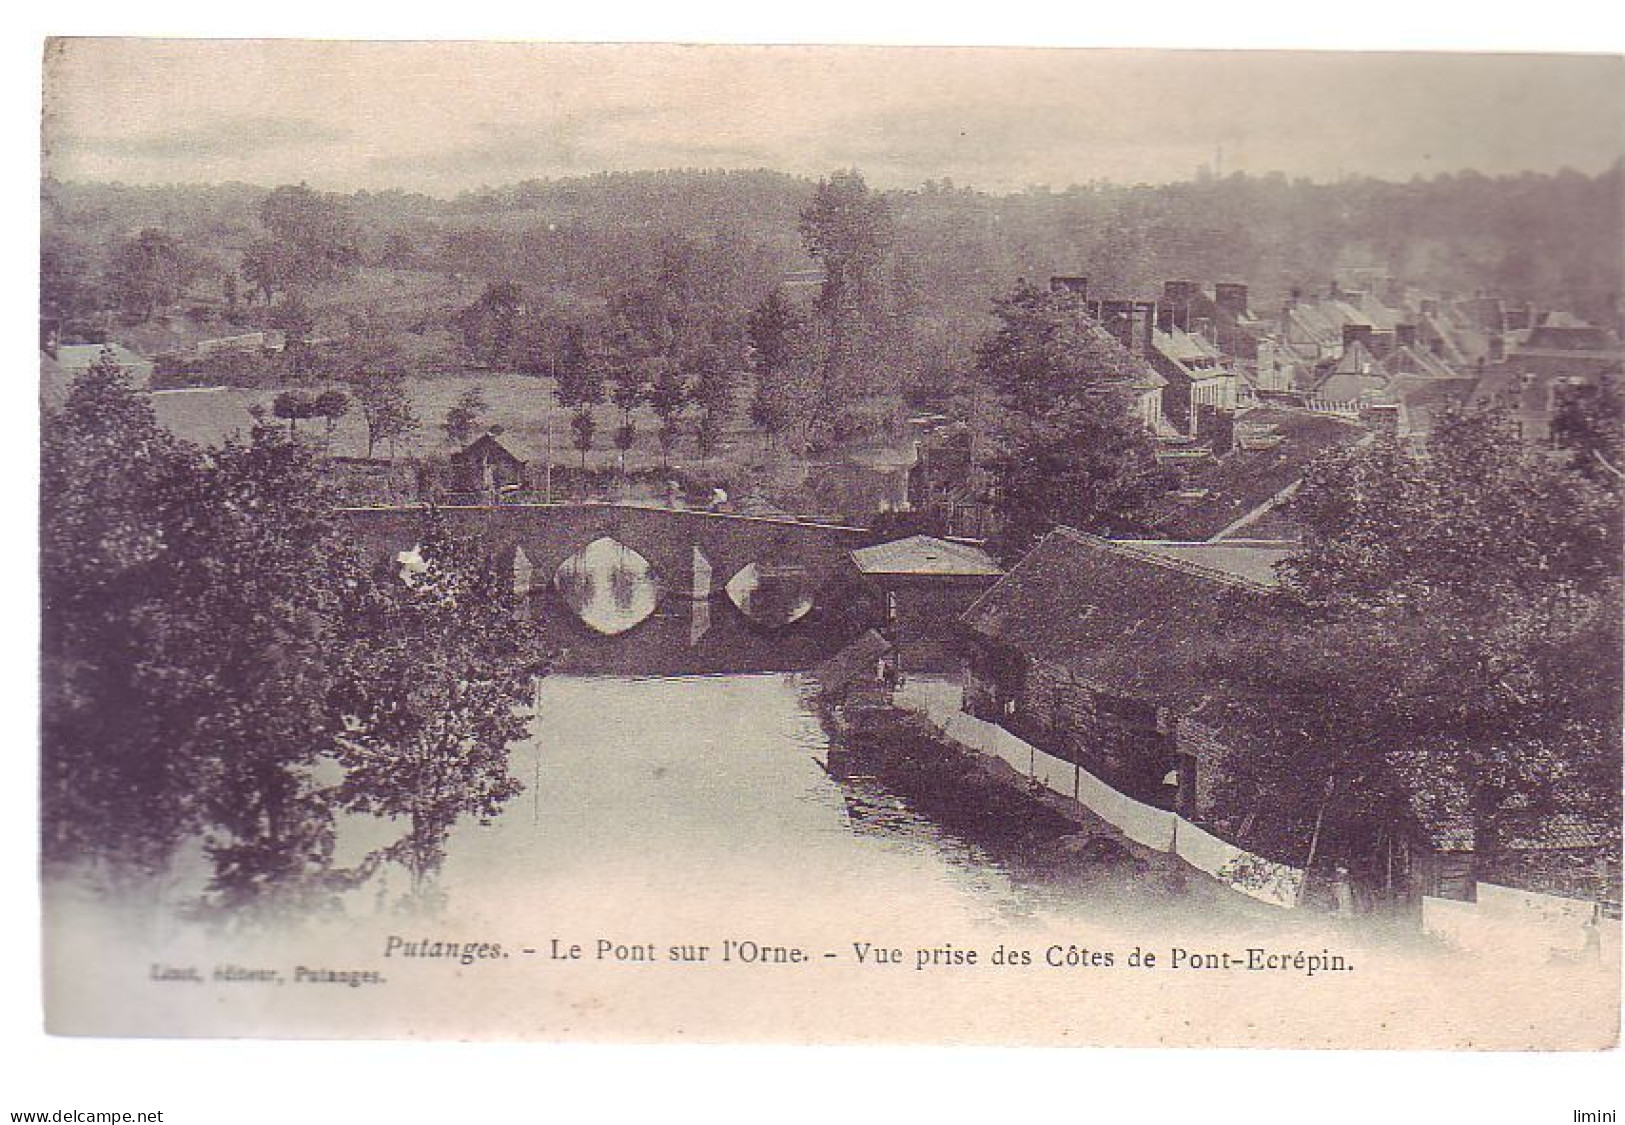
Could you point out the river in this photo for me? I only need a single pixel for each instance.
(680, 865)
(713, 787)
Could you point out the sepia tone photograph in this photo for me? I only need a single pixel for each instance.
(831, 545)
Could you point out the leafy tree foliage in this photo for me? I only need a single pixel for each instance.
(632, 386)
(296, 406)
(849, 231)
(1067, 451)
(269, 267)
(149, 271)
(669, 398)
(713, 383)
(580, 374)
(463, 417)
(331, 406)
(187, 606)
(491, 325)
(316, 229)
(432, 686)
(386, 407)
(582, 428)
(212, 648)
(1589, 425)
(781, 356)
(1463, 654)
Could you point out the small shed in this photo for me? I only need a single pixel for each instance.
(486, 466)
(917, 587)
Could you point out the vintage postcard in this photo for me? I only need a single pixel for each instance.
(831, 545)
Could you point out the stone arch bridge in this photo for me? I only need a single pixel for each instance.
(667, 537)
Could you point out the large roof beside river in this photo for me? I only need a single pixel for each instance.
(1141, 619)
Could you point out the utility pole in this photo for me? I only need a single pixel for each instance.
(549, 472)
(1314, 839)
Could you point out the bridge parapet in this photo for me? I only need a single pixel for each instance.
(666, 537)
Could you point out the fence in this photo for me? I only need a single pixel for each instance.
(1275, 883)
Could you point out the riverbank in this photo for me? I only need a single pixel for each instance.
(1028, 826)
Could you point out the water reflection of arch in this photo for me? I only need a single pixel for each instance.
(608, 586)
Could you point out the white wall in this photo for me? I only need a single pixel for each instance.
(1532, 927)
(939, 701)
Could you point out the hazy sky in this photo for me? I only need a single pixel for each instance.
(443, 117)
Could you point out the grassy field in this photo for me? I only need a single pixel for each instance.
(523, 406)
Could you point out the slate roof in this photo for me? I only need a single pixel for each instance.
(1250, 560)
(1120, 617)
(1133, 370)
(1184, 347)
(1558, 832)
(1416, 361)
(488, 442)
(1355, 375)
(1239, 482)
(925, 555)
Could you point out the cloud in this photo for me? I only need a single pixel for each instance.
(230, 137)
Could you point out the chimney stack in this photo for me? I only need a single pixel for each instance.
(1231, 297)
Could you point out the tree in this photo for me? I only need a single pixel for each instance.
(669, 398)
(631, 391)
(713, 394)
(386, 408)
(1590, 425)
(293, 407)
(269, 267)
(67, 279)
(490, 325)
(779, 352)
(187, 616)
(1462, 648)
(1068, 450)
(293, 316)
(848, 231)
(209, 641)
(580, 386)
(1045, 348)
(148, 271)
(316, 232)
(331, 406)
(433, 684)
(582, 428)
(113, 480)
(773, 327)
(463, 417)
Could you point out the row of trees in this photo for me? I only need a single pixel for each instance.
(677, 346)
(575, 243)
(210, 645)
